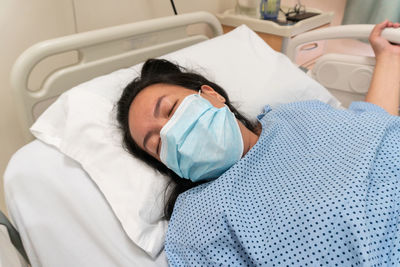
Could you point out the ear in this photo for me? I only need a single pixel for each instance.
(208, 90)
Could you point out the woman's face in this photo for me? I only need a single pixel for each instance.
(154, 106)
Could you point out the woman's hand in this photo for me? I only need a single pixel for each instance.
(384, 90)
(380, 45)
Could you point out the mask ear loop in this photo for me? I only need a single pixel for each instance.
(199, 92)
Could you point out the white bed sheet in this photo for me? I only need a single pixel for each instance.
(66, 220)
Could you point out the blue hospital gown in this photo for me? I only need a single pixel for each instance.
(320, 188)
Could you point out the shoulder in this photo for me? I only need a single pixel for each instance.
(294, 107)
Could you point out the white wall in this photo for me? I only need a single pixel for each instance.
(25, 22)
(94, 14)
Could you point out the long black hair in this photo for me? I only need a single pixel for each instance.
(159, 71)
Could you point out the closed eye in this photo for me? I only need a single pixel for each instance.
(172, 109)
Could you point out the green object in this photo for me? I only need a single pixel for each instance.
(269, 9)
(371, 11)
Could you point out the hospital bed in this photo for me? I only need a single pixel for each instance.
(66, 217)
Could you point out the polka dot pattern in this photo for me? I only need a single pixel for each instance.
(320, 188)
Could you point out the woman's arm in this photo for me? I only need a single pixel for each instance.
(384, 90)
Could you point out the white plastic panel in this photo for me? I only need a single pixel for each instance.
(339, 32)
(347, 77)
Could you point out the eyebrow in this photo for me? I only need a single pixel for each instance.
(156, 112)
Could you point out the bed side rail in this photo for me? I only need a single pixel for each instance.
(357, 31)
(100, 52)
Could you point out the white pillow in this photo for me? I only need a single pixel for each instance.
(82, 125)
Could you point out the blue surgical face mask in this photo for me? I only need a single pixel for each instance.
(200, 141)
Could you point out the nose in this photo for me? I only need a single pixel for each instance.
(161, 123)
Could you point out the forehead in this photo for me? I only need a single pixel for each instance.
(141, 117)
(155, 91)
(148, 97)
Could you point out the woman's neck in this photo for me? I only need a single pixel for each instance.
(249, 138)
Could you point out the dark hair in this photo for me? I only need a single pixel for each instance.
(158, 71)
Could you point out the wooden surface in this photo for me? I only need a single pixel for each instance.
(304, 55)
(273, 41)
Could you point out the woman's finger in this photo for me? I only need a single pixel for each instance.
(377, 30)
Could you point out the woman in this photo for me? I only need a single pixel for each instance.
(306, 185)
